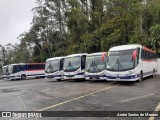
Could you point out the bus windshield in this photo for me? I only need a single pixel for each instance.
(95, 64)
(120, 60)
(52, 66)
(10, 69)
(72, 64)
(5, 70)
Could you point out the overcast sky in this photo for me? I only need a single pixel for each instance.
(15, 18)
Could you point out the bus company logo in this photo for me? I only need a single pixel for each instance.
(6, 114)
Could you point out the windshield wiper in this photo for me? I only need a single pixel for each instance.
(69, 66)
(90, 66)
(97, 67)
(115, 64)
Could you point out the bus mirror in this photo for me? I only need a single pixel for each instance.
(134, 54)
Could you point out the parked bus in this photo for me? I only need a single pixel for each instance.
(74, 66)
(95, 66)
(130, 63)
(4, 72)
(26, 70)
(54, 68)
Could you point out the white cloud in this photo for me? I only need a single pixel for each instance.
(15, 18)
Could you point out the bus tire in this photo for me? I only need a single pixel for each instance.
(153, 73)
(140, 77)
(23, 77)
(58, 80)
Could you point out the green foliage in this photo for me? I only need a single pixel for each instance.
(62, 27)
(155, 37)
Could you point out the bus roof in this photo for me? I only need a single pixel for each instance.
(98, 53)
(17, 64)
(34, 63)
(125, 47)
(5, 66)
(23, 64)
(74, 55)
(54, 58)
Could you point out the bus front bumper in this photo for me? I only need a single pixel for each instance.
(123, 78)
(95, 77)
(56, 77)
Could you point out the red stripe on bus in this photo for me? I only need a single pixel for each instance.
(149, 60)
(35, 63)
(103, 55)
(149, 50)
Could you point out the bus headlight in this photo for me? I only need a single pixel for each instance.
(131, 72)
(102, 73)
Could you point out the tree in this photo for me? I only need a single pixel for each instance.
(155, 37)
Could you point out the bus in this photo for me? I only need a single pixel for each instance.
(74, 66)
(54, 68)
(5, 72)
(96, 66)
(130, 63)
(26, 70)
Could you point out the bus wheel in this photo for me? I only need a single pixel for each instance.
(58, 80)
(153, 73)
(23, 77)
(140, 77)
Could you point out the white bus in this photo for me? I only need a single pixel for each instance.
(96, 66)
(5, 74)
(130, 63)
(54, 68)
(26, 70)
(74, 66)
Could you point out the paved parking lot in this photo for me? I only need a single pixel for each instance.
(49, 95)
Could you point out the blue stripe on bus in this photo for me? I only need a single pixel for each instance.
(52, 76)
(122, 77)
(95, 76)
(128, 77)
(82, 73)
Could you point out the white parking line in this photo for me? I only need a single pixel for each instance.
(157, 109)
(135, 98)
(76, 98)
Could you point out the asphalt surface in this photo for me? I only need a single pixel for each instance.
(50, 95)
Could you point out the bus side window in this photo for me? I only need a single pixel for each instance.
(30, 67)
(22, 67)
(61, 63)
(16, 68)
(83, 62)
(145, 54)
(138, 53)
(142, 54)
(42, 66)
